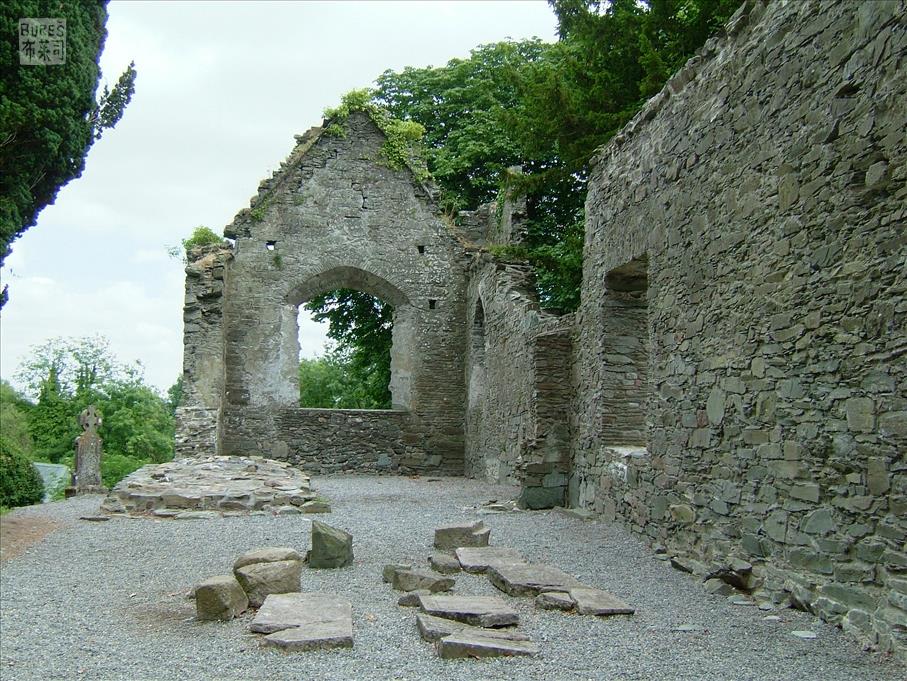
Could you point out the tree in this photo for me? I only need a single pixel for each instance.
(20, 482)
(361, 325)
(14, 410)
(49, 117)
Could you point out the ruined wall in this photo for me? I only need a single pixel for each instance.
(322, 441)
(764, 190)
(335, 215)
(519, 389)
(199, 413)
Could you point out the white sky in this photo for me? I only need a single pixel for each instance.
(222, 88)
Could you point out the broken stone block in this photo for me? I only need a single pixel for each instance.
(315, 506)
(266, 555)
(316, 636)
(474, 645)
(444, 563)
(479, 559)
(411, 580)
(530, 580)
(220, 598)
(413, 599)
(718, 587)
(554, 600)
(285, 611)
(305, 621)
(259, 580)
(390, 570)
(597, 602)
(433, 628)
(331, 547)
(455, 536)
(481, 611)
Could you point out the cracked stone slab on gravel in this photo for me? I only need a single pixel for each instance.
(457, 535)
(433, 628)
(301, 610)
(463, 644)
(530, 579)
(482, 611)
(316, 636)
(598, 602)
(478, 559)
(413, 580)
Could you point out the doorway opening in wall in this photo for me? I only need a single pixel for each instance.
(625, 369)
(345, 341)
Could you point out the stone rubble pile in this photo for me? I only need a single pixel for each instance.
(205, 487)
(487, 626)
(269, 579)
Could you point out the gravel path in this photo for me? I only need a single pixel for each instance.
(108, 600)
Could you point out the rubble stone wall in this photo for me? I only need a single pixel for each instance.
(762, 194)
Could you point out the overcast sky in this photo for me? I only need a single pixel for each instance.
(222, 88)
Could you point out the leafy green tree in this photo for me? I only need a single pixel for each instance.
(49, 117)
(137, 422)
(175, 395)
(53, 423)
(361, 325)
(201, 236)
(14, 410)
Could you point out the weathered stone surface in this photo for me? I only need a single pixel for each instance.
(472, 645)
(331, 547)
(270, 554)
(259, 580)
(479, 559)
(413, 599)
(481, 611)
(454, 536)
(444, 563)
(530, 580)
(387, 574)
(315, 506)
(315, 636)
(86, 478)
(597, 602)
(554, 600)
(213, 485)
(411, 580)
(219, 598)
(433, 628)
(286, 611)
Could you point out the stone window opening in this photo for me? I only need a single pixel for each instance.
(477, 335)
(334, 382)
(421, 249)
(432, 304)
(271, 245)
(625, 375)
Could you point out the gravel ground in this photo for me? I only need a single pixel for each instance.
(108, 600)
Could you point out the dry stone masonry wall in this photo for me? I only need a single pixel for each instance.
(762, 198)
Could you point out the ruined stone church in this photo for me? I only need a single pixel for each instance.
(733, 385)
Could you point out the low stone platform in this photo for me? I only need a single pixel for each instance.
(214, 484)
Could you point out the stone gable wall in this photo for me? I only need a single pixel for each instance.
(764, 191)
(334, 216)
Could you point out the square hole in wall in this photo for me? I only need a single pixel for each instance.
(271, 245)
(432, 304)
(421, 250)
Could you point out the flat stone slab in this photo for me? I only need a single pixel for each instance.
(530, 580)
(554, 600)
(462, 534)
(315, 636)
(213, 485)
(300, 610)
(444, 563)
(433, 628)
(597, 602)
(481, 611)
(471, 645)
(413, 580)
(479, 559)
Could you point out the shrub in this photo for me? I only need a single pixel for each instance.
(115, 467)
(20, 482)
